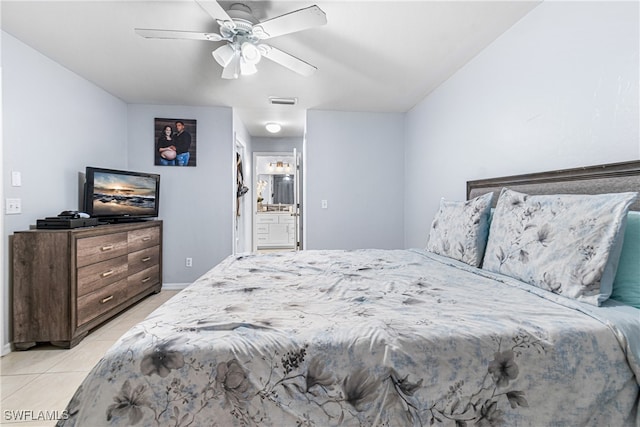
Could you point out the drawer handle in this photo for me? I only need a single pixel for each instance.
(107, 273)
(146, 279)
(106, 248)
(107, 299)
(146, 238)
(145, 259)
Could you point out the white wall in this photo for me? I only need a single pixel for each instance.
(54, 125)
(4, 340)
(558, 90)
(266, 144)
(354, 161)
(195, 202)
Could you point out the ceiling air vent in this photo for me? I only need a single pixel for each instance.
(276, 100)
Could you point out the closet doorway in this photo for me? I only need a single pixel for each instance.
(242, 216)
(276, 201)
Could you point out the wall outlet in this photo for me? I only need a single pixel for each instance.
(13, 206)
(188, 262)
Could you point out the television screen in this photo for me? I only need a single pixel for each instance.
(121, 195)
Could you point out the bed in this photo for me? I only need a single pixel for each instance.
(456, 333)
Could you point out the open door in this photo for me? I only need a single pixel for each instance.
(299, 199)
(297, 211)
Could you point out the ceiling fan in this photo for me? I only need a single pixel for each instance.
(244, 34)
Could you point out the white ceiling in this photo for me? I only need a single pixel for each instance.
(377, 56)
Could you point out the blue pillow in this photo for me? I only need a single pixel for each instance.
(626, 285)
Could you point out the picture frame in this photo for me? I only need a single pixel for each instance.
(175, 142)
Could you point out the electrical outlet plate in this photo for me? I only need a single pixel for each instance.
(13, 206)
(188, 262)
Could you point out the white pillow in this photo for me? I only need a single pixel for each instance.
(561, 243)
(459, 230)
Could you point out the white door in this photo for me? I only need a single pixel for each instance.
(297, 199)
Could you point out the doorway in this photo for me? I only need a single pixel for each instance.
(276, 207)
(242, 203)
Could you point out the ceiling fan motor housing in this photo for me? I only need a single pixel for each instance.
(242, 17)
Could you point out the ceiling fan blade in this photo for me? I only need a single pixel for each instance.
(291, 22)
(286, 60)
(173, 34)
(216, 11)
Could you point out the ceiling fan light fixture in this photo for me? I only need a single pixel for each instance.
(232, 70)
(250, 53)
(273, 127)
(224, 55)
(247, 68)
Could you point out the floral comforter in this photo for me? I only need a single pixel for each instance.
(364, 338)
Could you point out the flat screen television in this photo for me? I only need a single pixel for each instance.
(118, 196)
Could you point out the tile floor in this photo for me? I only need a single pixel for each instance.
(44, 377)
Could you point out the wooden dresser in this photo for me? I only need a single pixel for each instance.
(66, 282)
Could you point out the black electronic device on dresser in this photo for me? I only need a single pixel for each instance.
(66, 220)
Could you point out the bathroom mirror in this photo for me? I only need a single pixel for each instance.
(275, 189)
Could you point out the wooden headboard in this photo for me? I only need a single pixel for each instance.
(609, 178)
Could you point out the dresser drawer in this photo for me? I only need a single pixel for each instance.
(143, 259)
(96, 303)
(267, 219)
(143, 238)
(143, 280)
(99, 248)
(262, 228)
(288, 219)
(101, 274)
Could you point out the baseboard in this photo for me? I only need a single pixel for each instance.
(174, 286)
(6, 349)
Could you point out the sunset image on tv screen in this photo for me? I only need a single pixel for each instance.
(117, 194)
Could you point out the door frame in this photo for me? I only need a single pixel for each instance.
(297, 160)
(242, 224)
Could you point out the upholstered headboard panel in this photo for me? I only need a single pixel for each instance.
(609, 178)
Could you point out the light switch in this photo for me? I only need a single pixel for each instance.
(16, 179)
(324, 204)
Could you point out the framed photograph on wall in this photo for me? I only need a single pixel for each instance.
(175, 142)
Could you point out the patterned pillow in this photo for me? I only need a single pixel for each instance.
(460, 229)
(561, 243)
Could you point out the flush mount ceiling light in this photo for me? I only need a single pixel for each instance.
(243, 34)
(273, 127)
